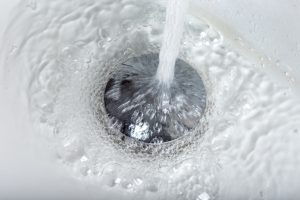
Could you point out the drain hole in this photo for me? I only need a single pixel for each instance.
(146, 110)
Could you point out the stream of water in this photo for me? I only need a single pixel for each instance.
(176, 11)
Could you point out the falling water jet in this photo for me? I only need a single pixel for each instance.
(157, 98)
(176, 11)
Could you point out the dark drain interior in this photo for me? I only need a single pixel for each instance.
(148, 111)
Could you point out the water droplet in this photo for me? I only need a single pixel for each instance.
(84, 159)
(203, 196)
(138, 181)
(117, 181)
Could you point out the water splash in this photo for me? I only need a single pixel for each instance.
(146, 111)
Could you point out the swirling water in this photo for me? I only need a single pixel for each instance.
(58, 57)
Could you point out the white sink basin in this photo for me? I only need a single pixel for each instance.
(248, 54)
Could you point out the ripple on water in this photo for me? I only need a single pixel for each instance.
(62, 53)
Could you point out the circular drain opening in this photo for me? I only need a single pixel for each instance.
(144, 109)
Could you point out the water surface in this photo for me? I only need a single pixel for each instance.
(57, 57)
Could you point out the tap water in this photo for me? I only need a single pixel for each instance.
(57, 58)
(146, 109)
(155, 107)
(173, 30)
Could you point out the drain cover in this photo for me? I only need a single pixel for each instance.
(148, 111)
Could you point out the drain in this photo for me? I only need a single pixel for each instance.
(146, 110)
